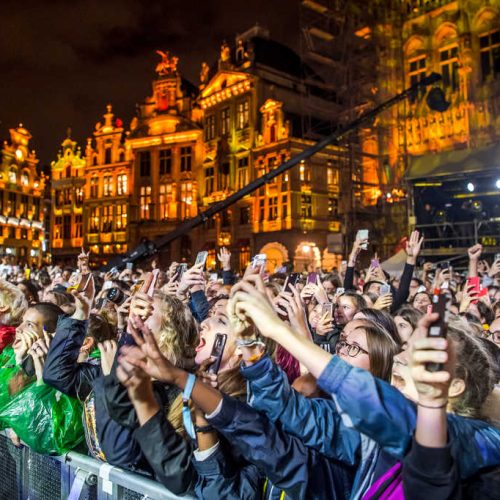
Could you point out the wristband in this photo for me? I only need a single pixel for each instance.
(433, 407)
(204, 429)
(186, 413)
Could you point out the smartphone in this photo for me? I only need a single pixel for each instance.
(130, 265)
(181, 269)
(214, 277)
(259, 261)
(339, 291)
(375, 263)
(440, 327)
(362, 234)
(291, 280)
(201, 258)
(444, 265)
(420, 289)
(217, 351)
(497, 257)
(149, 285)
(82, 284)
(312, 278)
(385, 289)
(474, 282)
(327, 309)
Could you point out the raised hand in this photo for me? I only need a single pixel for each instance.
(224, 257)
(192, 279)
(475, 251)
(84, 297)
(383, 302)
(38, 352)
(141, 305)
(108, 350)
(413, 247)
(83, 261)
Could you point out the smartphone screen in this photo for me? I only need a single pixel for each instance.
(327, 309)
(440, 327)
(312, 278)
(375, 263)
(217, 351)
(181, 269)
(291, 280)
(259, 261)
(362, 234)
(385, 289)
(130, 265)
(149, 285)
(201, 258)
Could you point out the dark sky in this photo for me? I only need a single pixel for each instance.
(62, 61)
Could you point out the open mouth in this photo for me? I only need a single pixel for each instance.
(201, 345)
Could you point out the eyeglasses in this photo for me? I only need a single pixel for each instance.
(352, 350)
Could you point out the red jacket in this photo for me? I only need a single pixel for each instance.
(7, 334)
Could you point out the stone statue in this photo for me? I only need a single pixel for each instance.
(167, 65)
(204, 73)
(225, 52)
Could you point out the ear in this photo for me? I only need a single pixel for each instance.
(88, 344)
(457, 388)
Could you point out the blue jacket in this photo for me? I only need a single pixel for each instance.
(290, 466)
(198, 303)
(316, 422)
(380, 411)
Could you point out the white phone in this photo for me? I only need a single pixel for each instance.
(362, 234)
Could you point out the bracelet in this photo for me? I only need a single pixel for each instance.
(433, 407)
(186, 413)
(204, 429)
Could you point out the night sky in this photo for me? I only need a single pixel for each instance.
(63, 61)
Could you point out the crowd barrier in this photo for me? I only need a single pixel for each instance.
(26, 475)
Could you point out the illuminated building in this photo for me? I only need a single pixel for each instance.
(167, 146)
(439, 154)
(252, 105)
(108, 185)
(67, 194)
(21, 200)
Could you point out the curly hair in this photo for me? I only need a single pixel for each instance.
(178, 334)
(473, 366)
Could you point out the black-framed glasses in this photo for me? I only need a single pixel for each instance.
(352, 350)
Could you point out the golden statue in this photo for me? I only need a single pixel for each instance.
(225, 52)
(167, 65)
(204, 73)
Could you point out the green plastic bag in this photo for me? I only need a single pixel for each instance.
(46, 420)
(12, 377)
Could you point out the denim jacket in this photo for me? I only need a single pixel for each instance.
(381, 412)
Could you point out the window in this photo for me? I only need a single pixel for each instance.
(186, 200)
(165, 161)
(12, 176)
(242, 173)
(145, 163)
(36, 213)
(210, 128)
(448, 61)
(186, 154)
(306, 208)
(417, 69)
(66, 234)
(78, 226)
(273, 208)
(12, 205)
(108, 185)
(165, 199)
(94, 186)
(305, 172)
(24, 234)
(242, 114)
(94, 220)
(489, 49)
(332, 176)
(244, 215)
(68, 171)
(209, 180)
(79, 196)
(224, 121)
(333, 207)
(285, 182)
(25, 180)
(262, 209)
(145, 202)
(121, 217)
(226, 219)
(122, 184)
(58, 228)
(24, 206)
(107, 218)
(107, 155)
(284, 206)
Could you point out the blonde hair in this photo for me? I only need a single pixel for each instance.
(178, 334)
(12, 297)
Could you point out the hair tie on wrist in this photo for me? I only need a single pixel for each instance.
(433, 407)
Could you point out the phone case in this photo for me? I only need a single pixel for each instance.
(217, 351)
(440, 327)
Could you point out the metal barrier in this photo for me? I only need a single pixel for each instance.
(26, 475)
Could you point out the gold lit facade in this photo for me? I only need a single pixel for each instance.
(22, 217)
(67, 195)
(108, 184)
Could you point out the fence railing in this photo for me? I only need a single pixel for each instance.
(26, 475)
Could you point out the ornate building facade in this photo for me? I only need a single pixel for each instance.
(108, 186)
(67, 195)
(22, 214)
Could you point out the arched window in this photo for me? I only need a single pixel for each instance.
(25, 179)
(12, 175)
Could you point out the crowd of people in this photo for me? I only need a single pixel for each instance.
(348, 384)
